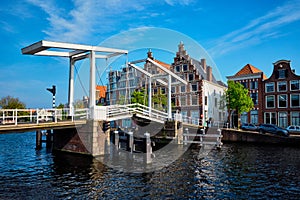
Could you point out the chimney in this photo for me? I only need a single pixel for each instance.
(203, 63)
(209, 73)
(150, 55)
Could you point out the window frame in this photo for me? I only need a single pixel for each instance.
(192, 87)
(291, 98)
(278, 86)
(269, 84)
(278, 100)
(267, 101)
(291, 85)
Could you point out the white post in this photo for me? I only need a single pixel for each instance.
(71, 87)
(92, 99)
(16, 118)
(30, 115)
(149, 96)
(37, 116)
(169, 97)
(55, 115)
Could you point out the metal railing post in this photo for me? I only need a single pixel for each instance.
(55, 115)
(16, 117)
(37, 116)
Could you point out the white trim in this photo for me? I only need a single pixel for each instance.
(278, 96)
(286, 84)
(267, 102)
(291, 100)
(273, 87)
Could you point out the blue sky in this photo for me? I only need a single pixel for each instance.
(232, 32)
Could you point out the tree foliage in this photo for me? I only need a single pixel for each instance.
(139, 96)
(9, 102)
(160, 101)
(238, 98)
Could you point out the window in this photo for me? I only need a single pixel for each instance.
(281, 73)
(253, 85)
(173, 89)
(254, 116)
(205, 100)
(183, 100)
(295, 118)
(244, 117)
(178, 68)
(254, 97)
(245, 84)
(194, 88)
(191, 77)
(269, 87)
(295, 85)
(182, 89)
(295, 100)
(282, 119)
(270, 101)
(163, 90)
(194, 100)
(282, 101)
(185, 67)
(281, 86)
(270, 118)
(216, 102)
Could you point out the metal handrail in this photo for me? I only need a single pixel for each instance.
(17, 116)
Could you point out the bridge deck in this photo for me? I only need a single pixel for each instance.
(41, 126)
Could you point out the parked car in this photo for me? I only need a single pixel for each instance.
(271, 128)
(249, 127)
(293, 129)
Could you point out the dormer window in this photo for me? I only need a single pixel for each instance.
(282, 73)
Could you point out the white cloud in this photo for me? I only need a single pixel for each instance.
(258, 30)
(179, 2)
(87, 18)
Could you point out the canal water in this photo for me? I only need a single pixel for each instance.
(237, 171)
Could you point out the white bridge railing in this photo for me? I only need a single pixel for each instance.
(115, 112)
(108, 113)
(22, 116)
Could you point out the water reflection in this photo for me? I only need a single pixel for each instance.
(235, 172)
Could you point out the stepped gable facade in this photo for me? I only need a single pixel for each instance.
(201, 97)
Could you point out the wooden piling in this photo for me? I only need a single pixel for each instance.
(38, 140)
(49, 139)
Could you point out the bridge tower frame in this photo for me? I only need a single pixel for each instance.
(74, 52)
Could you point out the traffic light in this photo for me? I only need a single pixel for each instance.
(106, 126)
(52, 90)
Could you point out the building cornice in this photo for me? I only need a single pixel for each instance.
(245, 77)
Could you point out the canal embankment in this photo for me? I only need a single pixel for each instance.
(242, 136)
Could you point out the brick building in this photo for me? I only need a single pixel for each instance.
(201, 97)
(282, 96)
(252, 79)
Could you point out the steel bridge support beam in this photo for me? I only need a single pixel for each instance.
(71, 88)
(92, 99)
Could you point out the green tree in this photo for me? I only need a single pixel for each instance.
(139, 96)
(60, 106)
(238, 99)
(160, 101)
(9, 102)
